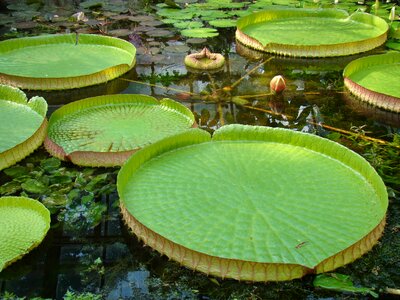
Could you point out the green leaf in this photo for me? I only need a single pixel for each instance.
(133, 121)
(200, 32)
(260, 182)
(34, 186)
(71, 60)
(379, 73)
(24, 218)
(188, 24)
(16, 171)
(342, 283)
(286, 31)
(50, 164)
(10, 188)
(223, 23)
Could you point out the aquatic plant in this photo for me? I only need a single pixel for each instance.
(24, 223)
(375, 80)
(106, 130)
(234, 222)
(64, 61)
(204, 60)
(286, 31)
(23, 125)
(277, 84)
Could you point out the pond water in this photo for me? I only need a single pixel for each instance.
(99, 254)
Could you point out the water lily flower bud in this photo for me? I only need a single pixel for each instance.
(277, 84)
(392, 15)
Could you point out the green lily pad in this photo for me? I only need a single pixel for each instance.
(375, 79)
(106, 130)
(340, 282)
(24, 223)
(55, 62)
(223, 23)
(311, 32)
(253, 203)
(200, 32)
(23, 125)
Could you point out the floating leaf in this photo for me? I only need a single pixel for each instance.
(71, 60)
(24, 223)
(223, 23)
(265, 179)
(188, 24)
(342, 283)
(375, 79)
(78, 131)
(22, 125)
(200, 32)
(287, 32)
(34, 186)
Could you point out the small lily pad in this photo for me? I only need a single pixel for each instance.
(200, 32)
(342, 283)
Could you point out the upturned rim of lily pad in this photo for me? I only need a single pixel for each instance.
(25, 136)
(334, 48)
(64, 61)
(204, 60)
(371, 79)
(33, 223)
(247, 203)
(105, 131)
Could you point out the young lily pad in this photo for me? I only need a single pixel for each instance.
(222, 23)
(311, 32)
(106, 130)
(375, 79)
(23, 125)
(24, 223)
(55, 62)
(200, 32)
(253, 203)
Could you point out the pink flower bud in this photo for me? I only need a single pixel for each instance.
(277, 84)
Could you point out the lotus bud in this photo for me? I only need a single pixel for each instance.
(277, 84)
(392, 15)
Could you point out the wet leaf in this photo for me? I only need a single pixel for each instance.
(340, 282)
(16, 171)
(200, 32)
(55, 200)
(34, 186)
(50, 164)
(95, 182)
(10, 188)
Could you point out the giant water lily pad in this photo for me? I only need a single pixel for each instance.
(106, 130)
(55, 62)
(24, 223)
(253, 203)
(23, 125)
(375, 80)
(311, 32)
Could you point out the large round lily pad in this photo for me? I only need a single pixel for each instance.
(106, 130)
(253, 203)
(66, 61)
(311, 32)
(375, 79)
(23, 125)
(24, 223)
